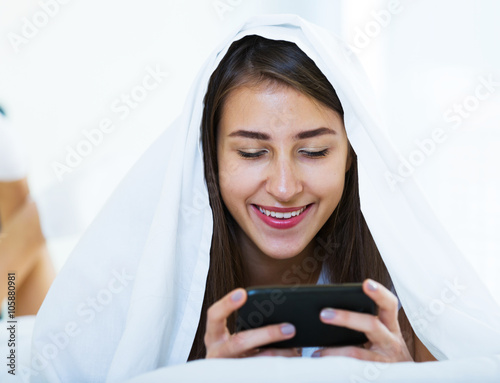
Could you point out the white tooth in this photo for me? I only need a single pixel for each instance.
(281, 215)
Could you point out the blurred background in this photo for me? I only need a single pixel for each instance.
(70, 68)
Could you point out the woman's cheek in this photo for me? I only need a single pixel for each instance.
(235, 180)
(328, 179)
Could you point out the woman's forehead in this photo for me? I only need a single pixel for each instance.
(264, 113)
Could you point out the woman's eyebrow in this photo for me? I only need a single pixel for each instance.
(266, 137)
(314, 133)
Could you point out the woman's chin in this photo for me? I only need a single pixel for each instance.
(280, 254)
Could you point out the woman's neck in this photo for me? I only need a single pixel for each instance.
(260, 269)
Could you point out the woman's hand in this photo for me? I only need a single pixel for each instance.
(385, 341)
(221, 344)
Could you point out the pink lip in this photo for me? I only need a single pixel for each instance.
(280, 223)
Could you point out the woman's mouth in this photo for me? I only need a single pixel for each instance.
(282, 218)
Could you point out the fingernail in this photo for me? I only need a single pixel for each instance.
(372, 285)
(237, 296)
(287, 329)
(315, 354)
(328, 313)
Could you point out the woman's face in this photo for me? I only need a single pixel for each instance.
(280, 151)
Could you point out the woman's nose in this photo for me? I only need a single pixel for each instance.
(283, 181)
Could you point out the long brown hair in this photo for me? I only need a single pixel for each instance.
(345, 245)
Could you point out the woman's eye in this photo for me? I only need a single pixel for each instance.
(321, 153)
(250, 155)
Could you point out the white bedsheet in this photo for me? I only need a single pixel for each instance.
(277, 369)
(326, 369)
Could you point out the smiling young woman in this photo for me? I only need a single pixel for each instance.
(281, 176)
(187, 224)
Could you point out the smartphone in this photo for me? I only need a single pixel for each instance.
(301, 306)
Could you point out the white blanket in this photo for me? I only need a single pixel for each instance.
(278, 369)
(328, 369)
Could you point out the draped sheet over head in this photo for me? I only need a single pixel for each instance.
(129, 298)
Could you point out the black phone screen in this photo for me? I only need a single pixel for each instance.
(301, 306)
